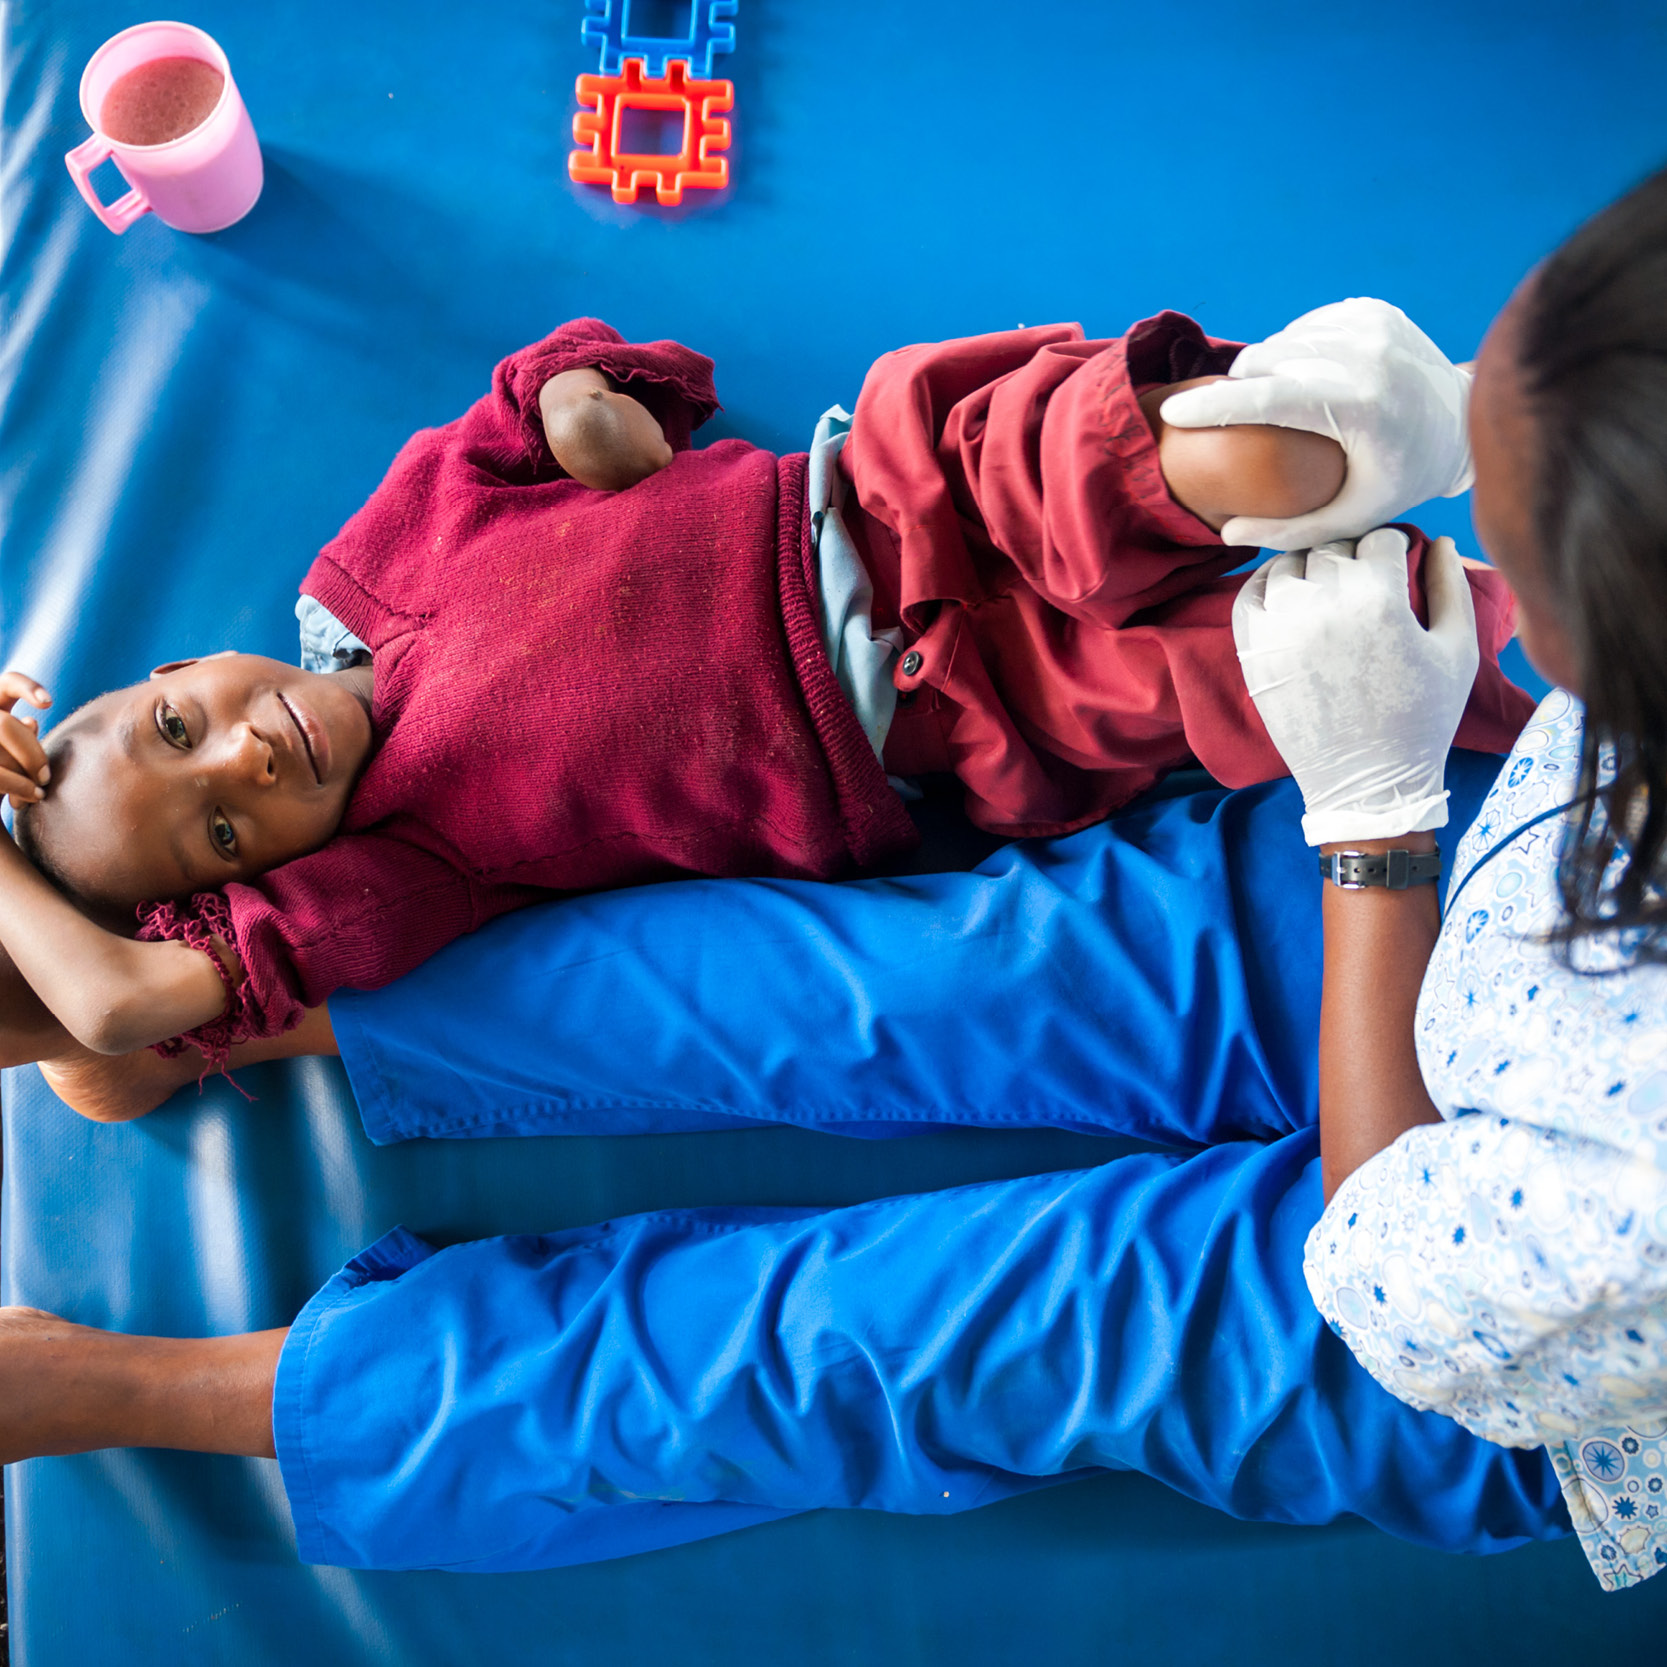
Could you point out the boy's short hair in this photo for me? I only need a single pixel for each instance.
(34, 827)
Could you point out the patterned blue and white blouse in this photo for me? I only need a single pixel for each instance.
(1508, 1266)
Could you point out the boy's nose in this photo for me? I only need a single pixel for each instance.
(252, 757)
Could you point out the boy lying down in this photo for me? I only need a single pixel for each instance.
(572, 652)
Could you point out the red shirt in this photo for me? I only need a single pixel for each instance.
(574, 689)
(1071, 623)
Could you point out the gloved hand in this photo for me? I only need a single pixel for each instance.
(1361, 701)
(1363, 373)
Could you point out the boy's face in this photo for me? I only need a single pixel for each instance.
(215, 770)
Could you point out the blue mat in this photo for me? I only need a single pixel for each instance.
(183, 421)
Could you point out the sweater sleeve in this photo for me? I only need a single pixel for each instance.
(432, 494)
(356, 914)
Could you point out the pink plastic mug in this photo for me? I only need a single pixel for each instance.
(203, 181)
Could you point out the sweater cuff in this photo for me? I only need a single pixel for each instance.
(671, 380)
(198, 923)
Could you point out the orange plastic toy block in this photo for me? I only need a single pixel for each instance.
(704, 132)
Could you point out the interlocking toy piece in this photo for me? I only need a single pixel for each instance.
(608, 26)
(703, 132)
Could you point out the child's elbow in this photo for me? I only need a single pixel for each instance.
(103, 1034)
(114, 1027)
(101, 1111)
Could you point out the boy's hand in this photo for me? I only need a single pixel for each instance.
(600, 437)
(24, 771)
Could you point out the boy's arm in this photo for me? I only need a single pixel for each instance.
(28, 1029)
(1251, 469)
(111, 994)
(616, 412)
(356, 913)
(653, 394)
(600, 436)
(361, 911)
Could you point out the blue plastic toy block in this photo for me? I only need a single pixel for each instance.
(608, 25)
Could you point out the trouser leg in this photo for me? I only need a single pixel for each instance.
(1155, 976)
(522, 1402)
(1092, 983)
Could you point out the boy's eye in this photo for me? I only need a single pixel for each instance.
(223, 834)
(172, 725)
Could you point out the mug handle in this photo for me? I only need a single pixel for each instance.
(81, 161)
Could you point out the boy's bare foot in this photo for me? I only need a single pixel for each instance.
(67, 1388)
(36, 1414)
(115, 1088)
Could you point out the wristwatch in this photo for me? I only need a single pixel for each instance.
(1355, 870)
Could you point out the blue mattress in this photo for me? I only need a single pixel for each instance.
(184, 420)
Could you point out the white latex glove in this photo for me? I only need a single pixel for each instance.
(1363, 373)
(1361, 701)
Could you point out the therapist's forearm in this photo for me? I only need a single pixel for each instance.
(1377, 947)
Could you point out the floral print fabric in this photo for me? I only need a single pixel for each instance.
(1508, 1266)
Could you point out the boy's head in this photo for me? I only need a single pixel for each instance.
(214, 770)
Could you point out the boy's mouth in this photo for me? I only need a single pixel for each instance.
(313, 739)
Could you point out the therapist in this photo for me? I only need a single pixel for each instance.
(1497, 1236)
(1493, 1091)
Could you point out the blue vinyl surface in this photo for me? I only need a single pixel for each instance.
(183, 421)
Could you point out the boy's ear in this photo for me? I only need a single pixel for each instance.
(180, 665)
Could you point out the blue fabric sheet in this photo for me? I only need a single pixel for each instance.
(184, 421)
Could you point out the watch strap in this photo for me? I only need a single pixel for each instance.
(1394, 870)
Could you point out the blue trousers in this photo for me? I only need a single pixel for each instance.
(1155, 976)
(534, 1401)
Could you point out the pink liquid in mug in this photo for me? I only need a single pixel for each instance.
(161, 100)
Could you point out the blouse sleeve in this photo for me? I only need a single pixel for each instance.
(1509, 1276)
(356, 914)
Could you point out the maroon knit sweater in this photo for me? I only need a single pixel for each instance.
(574, 689)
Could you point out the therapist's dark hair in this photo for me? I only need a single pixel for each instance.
(1593, 354)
